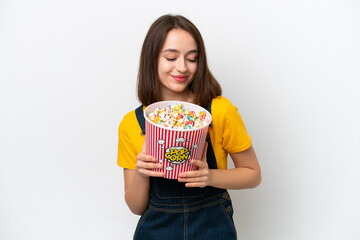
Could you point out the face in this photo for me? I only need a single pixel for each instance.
(177, 65)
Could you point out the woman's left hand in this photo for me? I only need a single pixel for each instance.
(197, 178)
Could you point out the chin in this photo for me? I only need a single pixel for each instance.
(179, 90)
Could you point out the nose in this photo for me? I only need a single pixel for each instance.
(181, 65)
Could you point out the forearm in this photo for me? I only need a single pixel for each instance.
(236, 178)
(137, 193)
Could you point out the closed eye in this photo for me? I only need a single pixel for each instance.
(192, 60)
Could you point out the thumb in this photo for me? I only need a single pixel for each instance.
(143, 150)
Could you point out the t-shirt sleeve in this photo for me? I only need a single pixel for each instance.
(235, 136)
(126, 152)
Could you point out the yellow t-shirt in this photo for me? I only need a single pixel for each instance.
(228, 134)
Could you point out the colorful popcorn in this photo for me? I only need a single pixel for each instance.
(177, 117)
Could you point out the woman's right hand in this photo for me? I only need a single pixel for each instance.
(145, 164)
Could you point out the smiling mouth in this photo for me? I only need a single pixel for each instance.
(179, 78)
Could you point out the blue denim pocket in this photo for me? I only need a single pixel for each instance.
(160, 225)
(212, 223)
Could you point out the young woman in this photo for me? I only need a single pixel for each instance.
(173, 66)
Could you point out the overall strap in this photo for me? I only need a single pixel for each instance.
(210, 155)
(208, 107)
(140, 117)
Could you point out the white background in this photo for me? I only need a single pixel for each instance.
(68, 75)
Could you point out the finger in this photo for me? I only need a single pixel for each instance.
(193, 179)
(198, 163)
(200, 185)
(145, 158)
(147, 165)
(151, 173)
(193, 174)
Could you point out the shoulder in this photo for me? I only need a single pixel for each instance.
(129, 117)
(129, 122)
(224, 112)
(229, 126)
(221, 105)
(221, 100)
(130, 141)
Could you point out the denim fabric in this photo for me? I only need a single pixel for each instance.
(177, 212)
(206, 217)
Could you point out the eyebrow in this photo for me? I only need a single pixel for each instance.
(177, 51)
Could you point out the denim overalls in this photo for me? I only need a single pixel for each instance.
(177, 212)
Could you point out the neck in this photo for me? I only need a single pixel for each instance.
(183, 96)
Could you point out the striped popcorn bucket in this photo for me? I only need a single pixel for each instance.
(175, 147)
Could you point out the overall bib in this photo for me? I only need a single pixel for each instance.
(177, 212)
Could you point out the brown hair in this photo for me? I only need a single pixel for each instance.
(204, 85)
